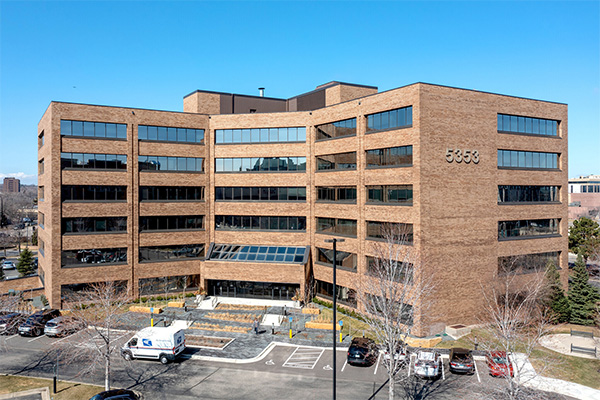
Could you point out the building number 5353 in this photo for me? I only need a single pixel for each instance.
(459, 156)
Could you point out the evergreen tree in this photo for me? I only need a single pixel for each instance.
(25, 262)
(584, 237)
(582, 296)
(556, 299)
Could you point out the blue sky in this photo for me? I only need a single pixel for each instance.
(151, 54)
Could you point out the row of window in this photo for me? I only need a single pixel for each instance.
(93, 129)
(265, 164)
(528, 228)
(527, 263)
(169, 134)
(343, 294)
(392, 156)
(398, 232)
(527, 159)
(339, 194)
(527, 194)
(263, 193)
(590, 188)
(338, 226)
(398, 118)
(344, 259)
(260, 135)
(75, 258)
(93, 161)
(533, 126)
(172, 252)
(339, 161)
(394, 270)
(171, 193)
(337, 129)
(257, 253)
(171, 222)
(93, 193)
(175, 164)
(94, 225)
(244, 222)
(396, 194)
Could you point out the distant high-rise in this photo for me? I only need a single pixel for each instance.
(11, 185)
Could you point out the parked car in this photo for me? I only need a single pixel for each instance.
(8, 265)
(399, 352)
(120, 394)
(35, 323)
(428, 364)
(461, 360)
(499, 363)
(62, 326)
(362, 351)
(9, 323)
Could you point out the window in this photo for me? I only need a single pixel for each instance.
(171, 164)
(171, 193)
(41, 139)
(42, 247)
(342, 293)
(528, 194)
(527, 125)
(344, 260)
(83, 258)
(527, 159)
(93, 129)
(528, 228)
(390, 157)
(171, 223)
(94, 193)
(94, 225)
(336, 226)
(258, 253)
(261, 164)
(393, 119)
(260, 135)
(41, 167)
(398, 232)
(168, 134)
(40, 193)
(341, 194)
(260, 193)
(168, 284)
(527, 263)
(254, 223)
(400, 194)
(399, 271)
(180, 252)
(93, 161)
(340, 161)
(337, 129)
(41, 220)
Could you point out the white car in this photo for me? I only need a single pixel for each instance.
(8, 265)
(428, 364)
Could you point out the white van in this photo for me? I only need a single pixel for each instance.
(158, 343)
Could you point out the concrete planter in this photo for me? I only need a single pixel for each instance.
(320, 325)
(179, 304)
(315, 311)
(156, 310)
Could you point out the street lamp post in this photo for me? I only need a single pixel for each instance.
(334, 241)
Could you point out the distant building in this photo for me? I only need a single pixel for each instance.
(584, 197)
(11, 185)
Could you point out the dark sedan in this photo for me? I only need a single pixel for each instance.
(362, 351)
(121, 394)
(35, 323)
(461, 360)
(9, 323)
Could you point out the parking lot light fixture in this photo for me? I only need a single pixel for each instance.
(334, 241)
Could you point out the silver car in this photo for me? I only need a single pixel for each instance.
(428, 364)
(62, 326)
(8, 265)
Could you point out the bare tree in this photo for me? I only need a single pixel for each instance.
(100, 308)
(392, 292)
(514, 319)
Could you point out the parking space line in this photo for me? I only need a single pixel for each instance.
(377, 364)
(291, 355)
(12, 336)
(476, 371)
(410, 361)
(345, 363)
(36, 338)
(61, 339)
(443, 371)
(304, 357)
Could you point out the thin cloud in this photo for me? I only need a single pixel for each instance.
(22, 176)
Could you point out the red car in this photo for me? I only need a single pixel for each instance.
(499, 364)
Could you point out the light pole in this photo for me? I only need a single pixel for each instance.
(334, 241)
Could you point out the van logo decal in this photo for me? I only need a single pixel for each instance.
(147, 342)
(179, 340)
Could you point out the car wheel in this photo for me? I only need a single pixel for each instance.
(36, 332)
(163, 359)
(127, 356)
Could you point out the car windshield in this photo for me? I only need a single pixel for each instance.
(499, 360)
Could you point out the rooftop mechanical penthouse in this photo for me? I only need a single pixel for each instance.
(237, 194)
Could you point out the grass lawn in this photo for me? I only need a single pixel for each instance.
(546, 362)
(65, 390)
(351, 326)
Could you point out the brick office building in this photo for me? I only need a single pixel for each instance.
(238, 193)
(11, 185)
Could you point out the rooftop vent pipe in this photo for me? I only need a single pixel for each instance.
(261, 91)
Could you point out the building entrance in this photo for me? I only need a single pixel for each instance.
(252, 290)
